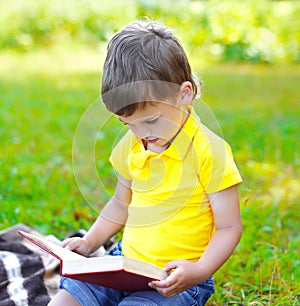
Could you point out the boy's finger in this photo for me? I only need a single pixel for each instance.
(65, 242)
(74, 244)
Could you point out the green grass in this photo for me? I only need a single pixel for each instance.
(43, 95)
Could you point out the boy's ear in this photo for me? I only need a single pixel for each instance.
(186, 93)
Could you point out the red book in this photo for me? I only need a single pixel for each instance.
(117, 272)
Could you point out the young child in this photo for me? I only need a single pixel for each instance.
(176, 195)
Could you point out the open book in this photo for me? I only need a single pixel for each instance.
(117, 272)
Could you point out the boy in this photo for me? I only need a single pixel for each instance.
(176, 195)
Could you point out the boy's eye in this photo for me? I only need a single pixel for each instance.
(152, 121)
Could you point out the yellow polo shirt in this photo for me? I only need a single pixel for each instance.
(170, 216)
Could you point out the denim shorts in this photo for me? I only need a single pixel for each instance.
(92, 295)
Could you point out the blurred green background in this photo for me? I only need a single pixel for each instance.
(246, 53)
(256, 31)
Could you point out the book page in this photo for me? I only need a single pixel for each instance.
(50, 247)
(144, 268)
(92, 265)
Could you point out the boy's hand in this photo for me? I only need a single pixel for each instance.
(78, 245)
(185, 274)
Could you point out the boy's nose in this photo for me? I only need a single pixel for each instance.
(144, 135)
(142, 132)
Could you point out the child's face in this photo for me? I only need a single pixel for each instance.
(157, 125)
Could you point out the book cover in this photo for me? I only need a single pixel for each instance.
(117, 272)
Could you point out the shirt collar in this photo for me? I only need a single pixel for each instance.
(184, 138)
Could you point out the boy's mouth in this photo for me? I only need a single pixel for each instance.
(153, 140)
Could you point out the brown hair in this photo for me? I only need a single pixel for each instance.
(143, 51)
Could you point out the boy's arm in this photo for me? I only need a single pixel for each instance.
(109, 222)
(228, 223)
(226, 211)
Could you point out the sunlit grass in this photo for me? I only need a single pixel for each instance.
(42, 98)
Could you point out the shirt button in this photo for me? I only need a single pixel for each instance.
(154, 174)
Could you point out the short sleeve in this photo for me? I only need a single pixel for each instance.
(218, 170)
(119, 156)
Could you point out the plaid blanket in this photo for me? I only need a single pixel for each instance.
(28, 276)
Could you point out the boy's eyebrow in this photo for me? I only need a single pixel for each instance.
(146, 118)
